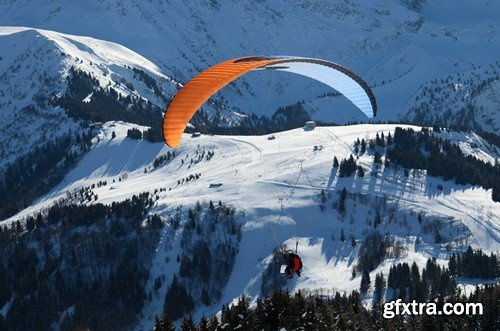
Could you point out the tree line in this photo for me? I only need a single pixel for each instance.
(33, 174)
(422, 150)
(284, 118)
(301, 311)
(474, 264)
(107, 104)
(83, 266)
(209, 242)
(409, 283)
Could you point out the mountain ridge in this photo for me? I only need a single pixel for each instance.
(394, 45)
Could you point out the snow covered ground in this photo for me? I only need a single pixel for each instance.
(34, 67)
(276, 184)
(399, 47)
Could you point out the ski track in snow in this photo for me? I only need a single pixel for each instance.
(274, 182)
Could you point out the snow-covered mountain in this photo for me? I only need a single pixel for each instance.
(101, 212)
(396, 46)
(470, 99)
(36, 67)
(284, 191)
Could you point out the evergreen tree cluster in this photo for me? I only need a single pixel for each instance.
(290, 117)
(93, 259)
(200, 154)
(134, 133)
(347, 167)
(490, 137)
(360, 146)
(284, 311)
(162, 159)
(422, 150)
(451, 102)
(373, 251)
(152, 134)
(210, 241)
(178, 301)
(189, 178)
(284, 118)
(474, 264)
(365, 282)
(409, 284)
(108, 105)
(150, 83)
(33, 174)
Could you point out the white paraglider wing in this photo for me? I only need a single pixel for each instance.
(335, 76)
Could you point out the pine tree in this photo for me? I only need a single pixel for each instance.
(335, 162)
(452, 264)
(342, 236)
(243, 312)
(377, 140)
(203, 326)
(188, 324)
(225, 316)
(379, 288)
(30, 224)
(213, 323)
(437, 237)
(347, 167)
(177, 300)
(365, 282)
(402, 292)
(163, 324)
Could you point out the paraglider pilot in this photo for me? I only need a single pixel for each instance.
(293, 264)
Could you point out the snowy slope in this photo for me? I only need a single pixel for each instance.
(275, 184)
(34, 66)
(396, 46)
(471, 144)
(401, 50)
(470, 99)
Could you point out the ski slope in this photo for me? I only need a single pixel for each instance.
(276, 185)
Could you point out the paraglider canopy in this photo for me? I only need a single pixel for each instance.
(197, 91)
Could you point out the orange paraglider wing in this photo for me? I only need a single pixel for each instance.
(198, 90)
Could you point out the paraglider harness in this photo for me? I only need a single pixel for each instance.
(293, 263)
